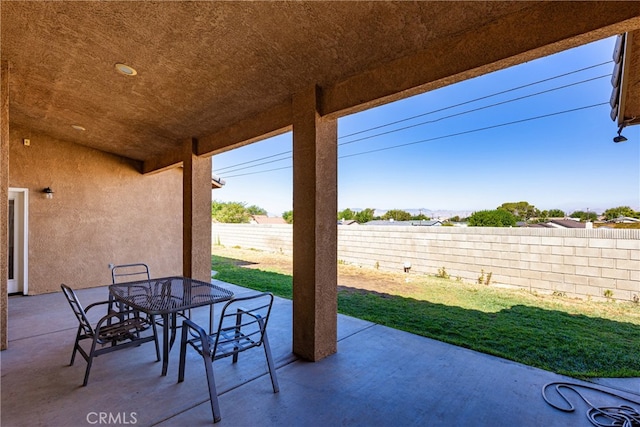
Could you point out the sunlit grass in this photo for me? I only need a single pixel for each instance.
(573, 337)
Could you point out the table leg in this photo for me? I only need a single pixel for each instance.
(211, 319)
(111, 302)
(174, 327)
(165, 343)
(170, 324)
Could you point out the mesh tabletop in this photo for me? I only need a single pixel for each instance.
(168, 294)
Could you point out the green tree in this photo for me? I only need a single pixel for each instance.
(230, 212)
(521, 210)
(584, 216)
(288, 216)
(346, 214)
(397, 215)
(256, 210)
(494, 218)
(215, 208)
(614, 213)
(556, 213)
(420, 217)
(543, 216)
(364, 215)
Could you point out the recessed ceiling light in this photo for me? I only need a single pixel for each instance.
(126, 70)
(78, 127)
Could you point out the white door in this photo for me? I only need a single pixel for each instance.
(17, 251)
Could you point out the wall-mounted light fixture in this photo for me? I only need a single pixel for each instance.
(620, 138)
(48, 192)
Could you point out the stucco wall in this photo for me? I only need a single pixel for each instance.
(583, 263)
(103, 211)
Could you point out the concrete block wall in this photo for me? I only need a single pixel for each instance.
(576, 262)
(263, 237)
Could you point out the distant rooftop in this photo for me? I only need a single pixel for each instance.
(264, 219)
(430, 223)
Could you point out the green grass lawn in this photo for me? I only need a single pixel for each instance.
(582, 339)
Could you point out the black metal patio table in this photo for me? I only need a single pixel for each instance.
(166, 297)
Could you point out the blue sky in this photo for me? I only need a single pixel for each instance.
(566, 161)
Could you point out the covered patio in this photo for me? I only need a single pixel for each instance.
(379, 376)
(117, 108)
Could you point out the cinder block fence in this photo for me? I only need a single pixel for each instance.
(588, 263)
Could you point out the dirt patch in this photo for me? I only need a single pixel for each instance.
(349, 276)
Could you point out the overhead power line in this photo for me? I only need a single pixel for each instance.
(253, 164)
(441, 137)
(258, 172)
(234, 168)
(258, 164)
(476, 109)
(475, 130)
(255, 160)
(480, 98)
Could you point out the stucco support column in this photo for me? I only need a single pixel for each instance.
(4, 201)
(196, 213)
(315, 229)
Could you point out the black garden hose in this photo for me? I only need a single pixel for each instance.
(599, 416)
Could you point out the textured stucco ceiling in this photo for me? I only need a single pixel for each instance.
(204, 67)
(630, 105)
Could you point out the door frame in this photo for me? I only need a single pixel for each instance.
(22, 234)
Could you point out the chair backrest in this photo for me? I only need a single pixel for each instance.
(129, 273)
(78, 310)
(243, 323)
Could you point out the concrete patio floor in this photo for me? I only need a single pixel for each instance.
(380, 376)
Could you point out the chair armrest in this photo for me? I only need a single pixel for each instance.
(201, 332)
(202, 335)
(87, 308)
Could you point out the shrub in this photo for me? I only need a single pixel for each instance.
(442, 273)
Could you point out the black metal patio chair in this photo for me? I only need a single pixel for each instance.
(129, 273)
(140, 271)
(242, 326)
(115, 331)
